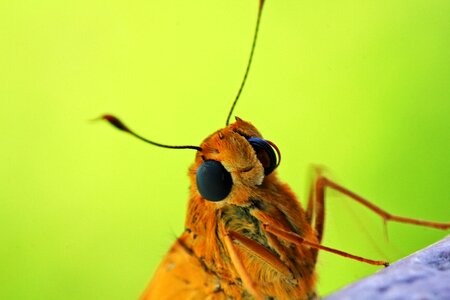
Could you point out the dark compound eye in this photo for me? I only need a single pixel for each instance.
(265, 154)
(213, 181)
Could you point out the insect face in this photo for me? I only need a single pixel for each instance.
(233, 161)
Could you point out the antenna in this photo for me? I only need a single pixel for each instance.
(121, 126)
(249, 63)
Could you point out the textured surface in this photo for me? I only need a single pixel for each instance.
(422, 275)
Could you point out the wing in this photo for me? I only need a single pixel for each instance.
(181, 276)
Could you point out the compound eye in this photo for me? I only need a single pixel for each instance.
(213, 181)
(265, 153)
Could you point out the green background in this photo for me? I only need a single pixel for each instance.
(87, 212)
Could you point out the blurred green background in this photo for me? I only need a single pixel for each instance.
(87, 212)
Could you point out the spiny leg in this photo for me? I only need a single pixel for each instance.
(298, 240)
(322, 183)
(259, 251)
(248, 282)
(309, 213)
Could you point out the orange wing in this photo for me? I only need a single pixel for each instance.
(181, 276)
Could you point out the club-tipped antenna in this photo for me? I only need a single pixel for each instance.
(249, 63)
(121, 126)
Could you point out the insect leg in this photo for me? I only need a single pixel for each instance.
(298, 240)
(322, 183)
(261, 252)
(238, 264)
(310, 208)
(315, 172)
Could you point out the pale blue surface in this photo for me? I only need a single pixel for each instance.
(423, 275)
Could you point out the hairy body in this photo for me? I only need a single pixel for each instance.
(199, 264)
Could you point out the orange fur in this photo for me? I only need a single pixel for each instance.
(198, 266)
